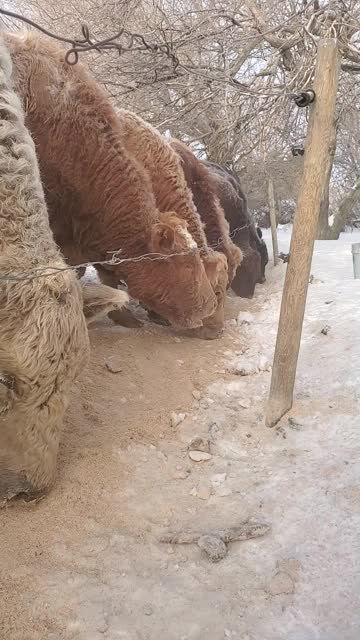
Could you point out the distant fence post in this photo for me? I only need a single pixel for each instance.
(273, 221)
(355, 249)
(316, 158)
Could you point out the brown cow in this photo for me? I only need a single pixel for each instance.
(172, 193)
(255, 233)
(99, 196)
(242, 230)
(203, 185)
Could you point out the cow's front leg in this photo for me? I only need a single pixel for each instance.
(123, 317)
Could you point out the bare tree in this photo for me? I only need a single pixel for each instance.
(220, 75)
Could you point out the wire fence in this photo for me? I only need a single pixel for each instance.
(134, 41)
(115, 260)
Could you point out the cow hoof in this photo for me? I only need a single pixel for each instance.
(15, 488)
(154, 317)
(125, 318)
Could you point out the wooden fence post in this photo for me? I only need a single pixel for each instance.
(316, 159)
(273, 221)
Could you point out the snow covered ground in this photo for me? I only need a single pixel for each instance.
(88, 564)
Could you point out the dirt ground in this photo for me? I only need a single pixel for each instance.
(86, 563)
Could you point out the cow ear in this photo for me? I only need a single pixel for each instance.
(162, 238)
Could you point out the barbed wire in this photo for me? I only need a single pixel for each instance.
(89, 44)
(46, 272)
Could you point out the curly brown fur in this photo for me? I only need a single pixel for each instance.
(44, 342)
(204, 187)
(99, 195)
(173, 193)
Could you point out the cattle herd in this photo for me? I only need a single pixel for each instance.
(82, 182)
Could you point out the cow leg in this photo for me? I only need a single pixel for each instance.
(154, 317)
(123, 317)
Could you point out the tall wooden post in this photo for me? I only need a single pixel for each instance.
(273, 221)
(316, 159)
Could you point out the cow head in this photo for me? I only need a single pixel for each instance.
(216, 267)
(44, 346)
(248, 274)
(27, 461)
(173, 281)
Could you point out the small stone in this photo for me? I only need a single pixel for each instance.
(177, 340)
(245, 317)
(281, 583)
(199, 456)
(199, 444)
(177, 418)
(193, 492)
(102, 627)
(196, 394)
(213, 546)
(114, 364)
(245, 404)
(227, 633)
(180, 362)
(204, 492)
(243, 367)
(148, 611)
(325, 330)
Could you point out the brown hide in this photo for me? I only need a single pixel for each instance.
(99, 195)
(203, 186)
(172, 193)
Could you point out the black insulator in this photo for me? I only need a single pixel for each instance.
(297, 151)
(304, 98)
